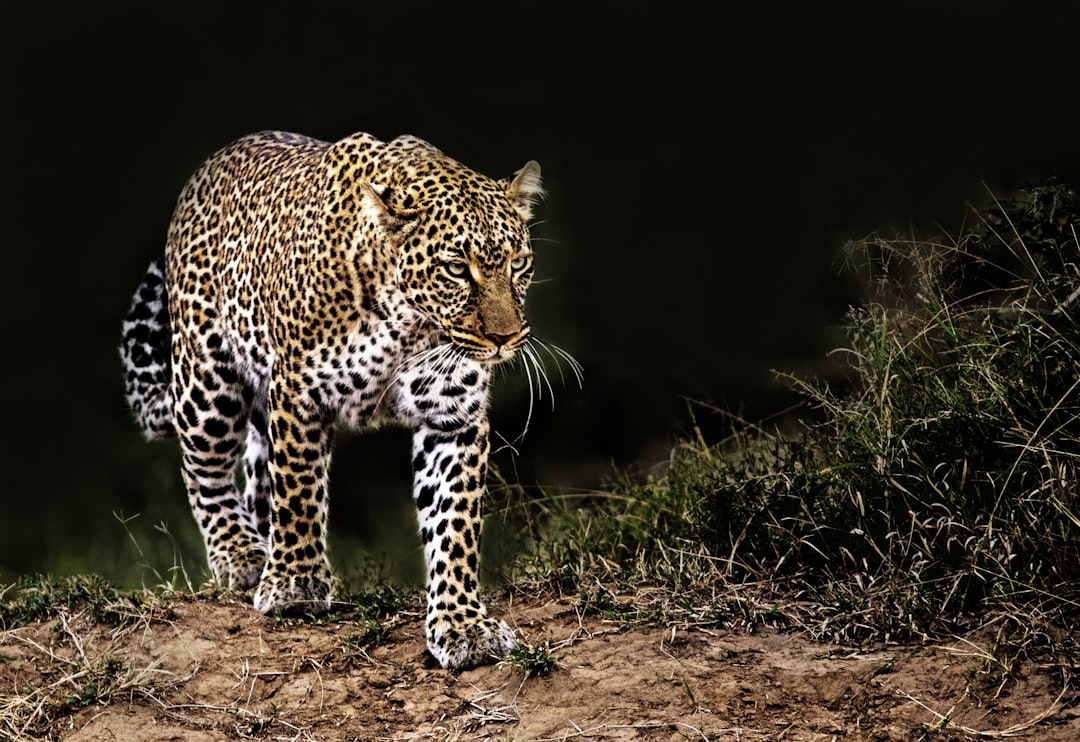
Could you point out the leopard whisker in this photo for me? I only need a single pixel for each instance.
(420, 356)
(530, 355)
(395, 316)
(506, 444)
(455, 359)
(536, 379)
(411, 362)
(528, 415)
(559, 356)
(446, 359)
(449, 360)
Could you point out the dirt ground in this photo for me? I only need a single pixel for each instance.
(214, 669)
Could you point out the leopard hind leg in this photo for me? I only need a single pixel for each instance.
(213, 411)
(257, 495)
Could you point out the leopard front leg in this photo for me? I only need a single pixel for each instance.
(297, 576)
(449, 470)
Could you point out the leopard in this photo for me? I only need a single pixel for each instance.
(308, 286)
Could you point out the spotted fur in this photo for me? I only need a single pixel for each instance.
(306, 283)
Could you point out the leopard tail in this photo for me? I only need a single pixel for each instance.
(144, 351)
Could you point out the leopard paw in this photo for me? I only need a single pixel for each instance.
(294, 594)
(238, 568)
(478, 643)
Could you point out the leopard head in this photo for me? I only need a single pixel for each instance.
(463, 259)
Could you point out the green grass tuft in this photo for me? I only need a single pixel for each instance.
(39, 596)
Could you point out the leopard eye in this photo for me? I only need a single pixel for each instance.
(457, 269)
(520, 263)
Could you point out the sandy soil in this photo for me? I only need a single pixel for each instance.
(205, 669)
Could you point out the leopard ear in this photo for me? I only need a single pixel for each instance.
(373, 209)
(525, 188)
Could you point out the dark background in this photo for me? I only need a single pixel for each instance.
(705, 165)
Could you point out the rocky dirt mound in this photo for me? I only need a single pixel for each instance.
(209, 669)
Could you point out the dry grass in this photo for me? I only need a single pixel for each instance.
(93, 628)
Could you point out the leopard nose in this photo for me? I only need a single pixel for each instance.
(498, 339)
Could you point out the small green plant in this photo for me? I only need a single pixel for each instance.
(98, 682)
(377, 601)
(690, 694)
(370, 632)
(533, 659)
(599, 601)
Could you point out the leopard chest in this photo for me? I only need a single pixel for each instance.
(382, 372)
